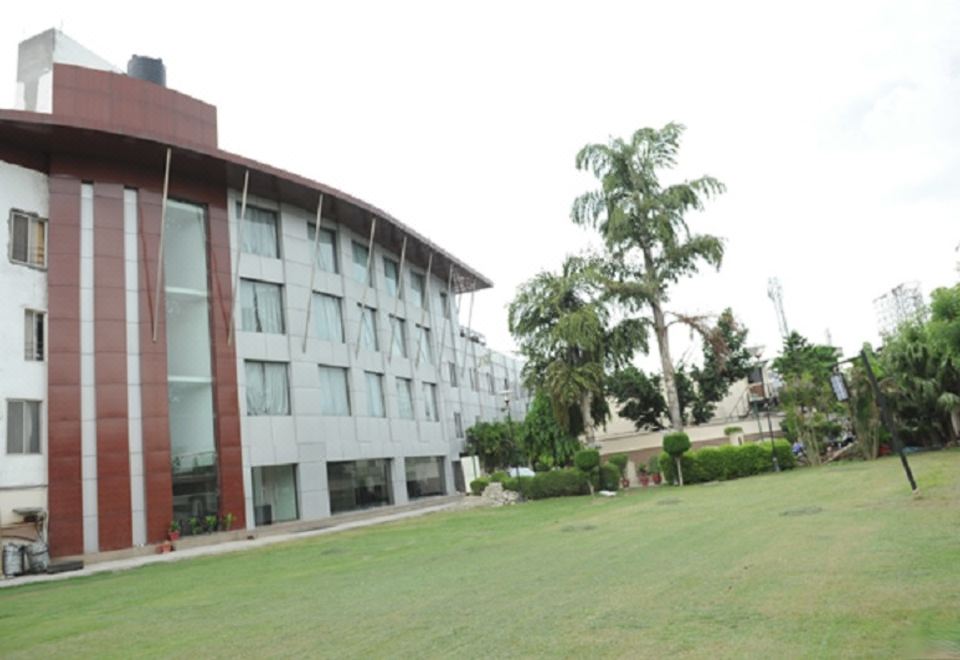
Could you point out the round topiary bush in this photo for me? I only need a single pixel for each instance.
(620, 460)
(587, 460)
(478, 485)
(677, 444)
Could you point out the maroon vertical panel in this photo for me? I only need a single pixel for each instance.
(65, 491)
(226, 405)
(157, 474)
(110, 368)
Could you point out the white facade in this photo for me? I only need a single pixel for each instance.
(23, 477)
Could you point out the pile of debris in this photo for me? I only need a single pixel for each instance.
(495, 495)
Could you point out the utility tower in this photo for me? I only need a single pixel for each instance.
(775, 292)
(901, 304)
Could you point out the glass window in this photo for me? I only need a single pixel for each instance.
(267, 388)
(327, 317)
(23, 427)
(368, 328)
(334, 395)
(33, 336)
(374, 394)
(398, 334)
(260, 232)
(361, 266)
(359, 484)
(417, 289)
(425, 476)
(445, 305)
(28, 239)
(261, 307)
(474, 379)
(430, 402)
(391, 273)
(274, 494)
(425, 350)
(326, 247)
(405, 398)
(452, 369)
(491, 384)
(458, 424)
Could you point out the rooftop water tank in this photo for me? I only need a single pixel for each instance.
(150, 69)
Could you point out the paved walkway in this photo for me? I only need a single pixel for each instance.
(232, 546)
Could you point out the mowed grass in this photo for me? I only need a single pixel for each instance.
(858, 568)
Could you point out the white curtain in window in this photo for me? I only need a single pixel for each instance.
(267, 388)
(398, 330)
(326, 249)
(248, 307)
(430, 401)
(360, 256)
(261, 307)
(334, 399)
(404, 398)
(260, 232)
(375, 395)
(327, 320)
(368, 329)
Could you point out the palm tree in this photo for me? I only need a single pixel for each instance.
(564, 331)
(643, 226)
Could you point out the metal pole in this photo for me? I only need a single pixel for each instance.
(313, 272)
(163, 217)
(888, 421)
(236, 276)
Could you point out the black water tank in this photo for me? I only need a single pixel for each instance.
(150, 69)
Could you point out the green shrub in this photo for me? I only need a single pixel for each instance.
(653, 465)
(499, 477)
(478, 485)
(676, 443)
(620, 460)
(587, 460)
(609, 477)
(710, 464)
(556, 483)
(515, 484)
(726, 462)
(732, 430)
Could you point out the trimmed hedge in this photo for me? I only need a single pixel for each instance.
(499, 476)
(556, 483)
(609, 477)
(478, 485)
(620, 460)
(727, 462)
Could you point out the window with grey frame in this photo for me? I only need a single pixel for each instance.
(391, 276)
(23, 427)
(430, 402)
(361, 270)
(418, 289)
(374, 383)
(261, 307)
(491, 384)
(404, 398)
(326, 247)
(33, 335)
(368, 328)
(398, 335)
(327, 317)
(458, 425)
(28, 239)
(334, 392)
(268, 388)
(452, 371)
(261, 231)
(425, 349)
(445, 304)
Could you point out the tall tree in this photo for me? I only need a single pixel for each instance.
(643, 225)
(545, 442)
(565, 332)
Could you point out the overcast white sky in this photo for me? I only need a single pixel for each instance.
(835, 126)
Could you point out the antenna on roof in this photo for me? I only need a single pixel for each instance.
(775, 293)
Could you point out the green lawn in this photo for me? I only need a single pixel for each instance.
(860, 568)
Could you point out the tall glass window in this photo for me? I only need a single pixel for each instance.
(260, 232)
(374, 394)
(398, 335)
(274, 494)
(334, 395)
(425, 476)
(430, 402)
(360, 270)
(368, 328)
(327, 317)
(261, 307)
(326, 247)
(359, 484)
(418, 289)
(190, 384)
(426, 347)
(391, 273)
(268, 388)
(405, 398)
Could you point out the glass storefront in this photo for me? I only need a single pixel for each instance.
(359, 484)
(425, 476)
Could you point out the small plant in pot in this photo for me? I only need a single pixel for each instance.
(643, 476)
(227, 521)
(173, 533)
(211, 523)
(195, 526)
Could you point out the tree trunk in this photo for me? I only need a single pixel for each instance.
(666, 365)
(589, 434)
(679, 469)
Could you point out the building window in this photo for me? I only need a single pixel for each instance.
(359, 484)
(425, 348)
(23, 427)
(267, 388)
(361, 266)
(452, 369)
(405, 398)
(28, 239)
(391, 273)
(445, 305)
(425, 476)
(491, 384)
(33, 335)
(398, 337)
(474, 379)
(506, 383)
(327, 317)
(458, 424)
(261, 307)
(418, 289)
(368, 328)
(430, 402)
(274, 494)
(375, 394)
(260, 232)
(326, 247)
(334, 395)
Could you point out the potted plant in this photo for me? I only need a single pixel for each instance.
(211, 523)
(195, 526)
(173, 533)
(227, 522)
(643, 475)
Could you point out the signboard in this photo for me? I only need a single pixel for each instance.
(839, 386)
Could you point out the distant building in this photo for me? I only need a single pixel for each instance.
(902, 304)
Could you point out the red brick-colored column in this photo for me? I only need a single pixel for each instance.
(64, 454)
(157, 475)
(110, 367)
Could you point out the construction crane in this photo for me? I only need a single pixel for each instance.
(775, 292)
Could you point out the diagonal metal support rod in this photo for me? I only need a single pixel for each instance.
(313, 274)
(367, 284)
(163, 223)
(236, 275)
(396, 303)
(424, 308)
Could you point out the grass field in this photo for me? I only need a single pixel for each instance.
(834, 561)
